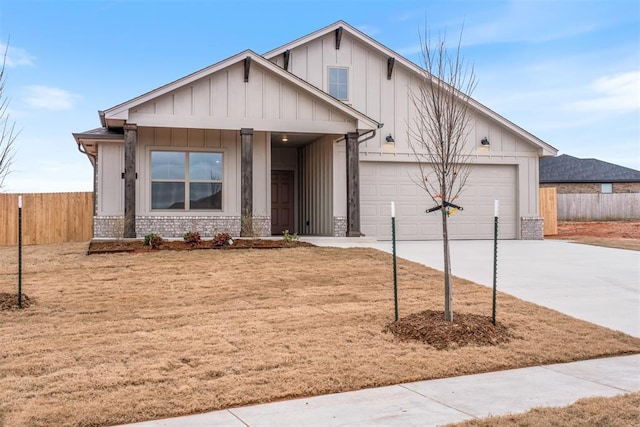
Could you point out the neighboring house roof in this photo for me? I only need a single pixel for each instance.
(547, 150)
(566, 168)
(120, 112)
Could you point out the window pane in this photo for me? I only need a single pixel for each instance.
(205, 196)
(333, 76)
(606, 188)
(167, 165)
(167, 195)
(342, 92)
(338, 83)
(205, 166)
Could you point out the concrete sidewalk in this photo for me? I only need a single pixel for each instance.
(436, 402)
(596, 284)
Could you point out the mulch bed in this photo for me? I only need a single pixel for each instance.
(431, 328)
(137, 246)
(9, 301)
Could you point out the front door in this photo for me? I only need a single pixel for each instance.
(282, 202)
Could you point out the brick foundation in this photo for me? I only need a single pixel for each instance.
(167, 226)
(531, 228)
(339, 226)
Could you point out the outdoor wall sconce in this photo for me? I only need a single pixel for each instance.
(485, 141)
(285, 138)
(390, 139)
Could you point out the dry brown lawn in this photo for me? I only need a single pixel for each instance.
(609, 234)
(121, 338)
(618, 411)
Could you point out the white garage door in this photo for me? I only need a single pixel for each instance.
(383, 182)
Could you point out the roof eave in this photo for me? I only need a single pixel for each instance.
(546, 150)
(118, 114)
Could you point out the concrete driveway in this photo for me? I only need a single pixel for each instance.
(600, 285)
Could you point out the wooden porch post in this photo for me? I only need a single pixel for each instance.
(246, 180)
(353, 185)
(130, 142)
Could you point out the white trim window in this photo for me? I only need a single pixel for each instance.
(186, 180)
(338, 86)
(606, 188)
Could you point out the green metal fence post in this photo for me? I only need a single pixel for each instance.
(395, 274)
(495, 260)
(20, 251)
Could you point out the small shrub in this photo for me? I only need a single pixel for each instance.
(156, 241)
(288, 237)
(148, 238)
(222, 239)
(192, 237)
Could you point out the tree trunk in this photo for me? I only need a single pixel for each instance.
(448, 291)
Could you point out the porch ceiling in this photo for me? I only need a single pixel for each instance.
(293, 139)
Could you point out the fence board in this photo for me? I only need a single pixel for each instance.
(598, 207)
(549, 210)
(47, 218)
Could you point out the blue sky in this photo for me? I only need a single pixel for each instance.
(568, 71)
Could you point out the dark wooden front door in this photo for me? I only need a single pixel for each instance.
(282, 206)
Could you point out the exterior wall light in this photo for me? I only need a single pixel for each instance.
(285, 138)
(485, 141)
(390, 139)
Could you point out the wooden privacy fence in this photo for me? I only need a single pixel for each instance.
(549, 210)
(598, 207)
(47, 218)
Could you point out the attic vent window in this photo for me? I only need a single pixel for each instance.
(339, 83)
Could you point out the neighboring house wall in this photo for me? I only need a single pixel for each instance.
(592, 188)
(585, 201)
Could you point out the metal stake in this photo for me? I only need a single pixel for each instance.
(495, 260)
(395, 274)
(20, 251)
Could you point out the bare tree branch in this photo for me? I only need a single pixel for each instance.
(8, 133)
(438, 134)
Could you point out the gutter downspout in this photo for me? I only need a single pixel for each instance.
(360, 141)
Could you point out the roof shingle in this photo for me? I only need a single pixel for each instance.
(565, 168)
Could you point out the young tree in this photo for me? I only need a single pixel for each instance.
(438, 135)
(8, 134)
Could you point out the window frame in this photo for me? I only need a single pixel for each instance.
(348, 81)
(610, 188)
(186, 181)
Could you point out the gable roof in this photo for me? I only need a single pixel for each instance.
(547, 149)
(119, 113)
(566, 168)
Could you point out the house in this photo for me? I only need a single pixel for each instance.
(296, 139)
(571, 175)
(590, 189)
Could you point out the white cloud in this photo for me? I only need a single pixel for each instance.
(16, 56)
(49, 98)
(616, 93)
